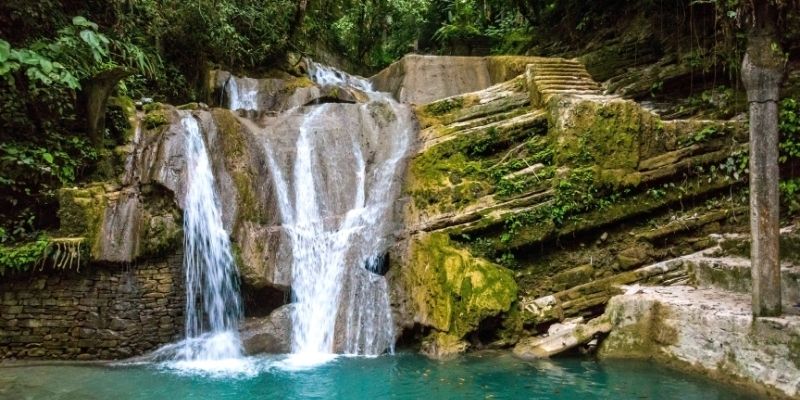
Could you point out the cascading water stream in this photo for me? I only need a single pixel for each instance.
(242, 93)
(336, 205)
(213, 305)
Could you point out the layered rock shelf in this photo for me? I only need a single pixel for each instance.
(710, 330)
(570, 191)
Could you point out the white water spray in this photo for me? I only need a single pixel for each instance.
(242, 93)
(213, 306)
(340, 305)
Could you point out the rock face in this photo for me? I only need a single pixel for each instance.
(573, 192)
(529, 199)
(268, 335)
(273, 94)
(709, 329)
(451, 290)
(421, 79)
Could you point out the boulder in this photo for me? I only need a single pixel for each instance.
(442, 346)
(450, 289)
(422, 79)
(268, 335)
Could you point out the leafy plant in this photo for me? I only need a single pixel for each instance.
(21, 257)
(789, 127)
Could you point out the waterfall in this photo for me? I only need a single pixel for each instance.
(336, 201)
(242, 93)
(213, 305)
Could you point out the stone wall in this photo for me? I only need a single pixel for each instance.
(99, 312)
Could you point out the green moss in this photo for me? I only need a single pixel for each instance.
(128, 108)
(81, 212)
(441, 107)
(152, 107)
(453, 291)
(237, 162)
(298, 82)
(454, 173)
(607, 134)
(794, 350)
(188, 106)
(154, 119)
(163, 233)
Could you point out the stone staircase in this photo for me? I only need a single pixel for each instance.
(554, 76)
(700, 318)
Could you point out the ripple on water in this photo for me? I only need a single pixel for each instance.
(405, 376)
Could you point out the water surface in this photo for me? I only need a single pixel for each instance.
(404, 376)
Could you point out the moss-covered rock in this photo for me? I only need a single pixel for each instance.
(156, 118)
(442, 346)
(607, 133)
(236, 156)
(81, 213)
(451, 290)
(120, 225)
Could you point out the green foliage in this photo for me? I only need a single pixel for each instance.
(20, 257)
(789, 156)
(790, 195)
(374, 33)
(789, 126)
(702, 135)
(154, 119)
(462, 22)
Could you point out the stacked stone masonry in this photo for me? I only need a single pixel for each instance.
(99, 312)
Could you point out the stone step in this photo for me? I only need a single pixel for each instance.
(733, 274)
(567, 86)
(556, 61)
(565, 78)
(549, 92)
(560, 71)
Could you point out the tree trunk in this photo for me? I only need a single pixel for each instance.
(762, 73)
(299, 15)
(94, 98)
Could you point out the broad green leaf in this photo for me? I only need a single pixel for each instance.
(47, 66)
(83, 22)
(5, 50)
(89, 37)
(48, 157)
(27, 57)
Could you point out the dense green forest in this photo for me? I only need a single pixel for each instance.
(52, 51)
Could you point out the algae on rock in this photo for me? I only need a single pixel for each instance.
(451, 290)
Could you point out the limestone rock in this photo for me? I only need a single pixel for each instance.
(706, 329)
(268, 335)
(451, 290)
(422, 79)
(279, 92)
(442, 346)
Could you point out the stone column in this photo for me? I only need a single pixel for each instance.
(762, 73)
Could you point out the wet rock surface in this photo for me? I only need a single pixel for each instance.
(271, 334)
(572, 191)
(708, 329)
